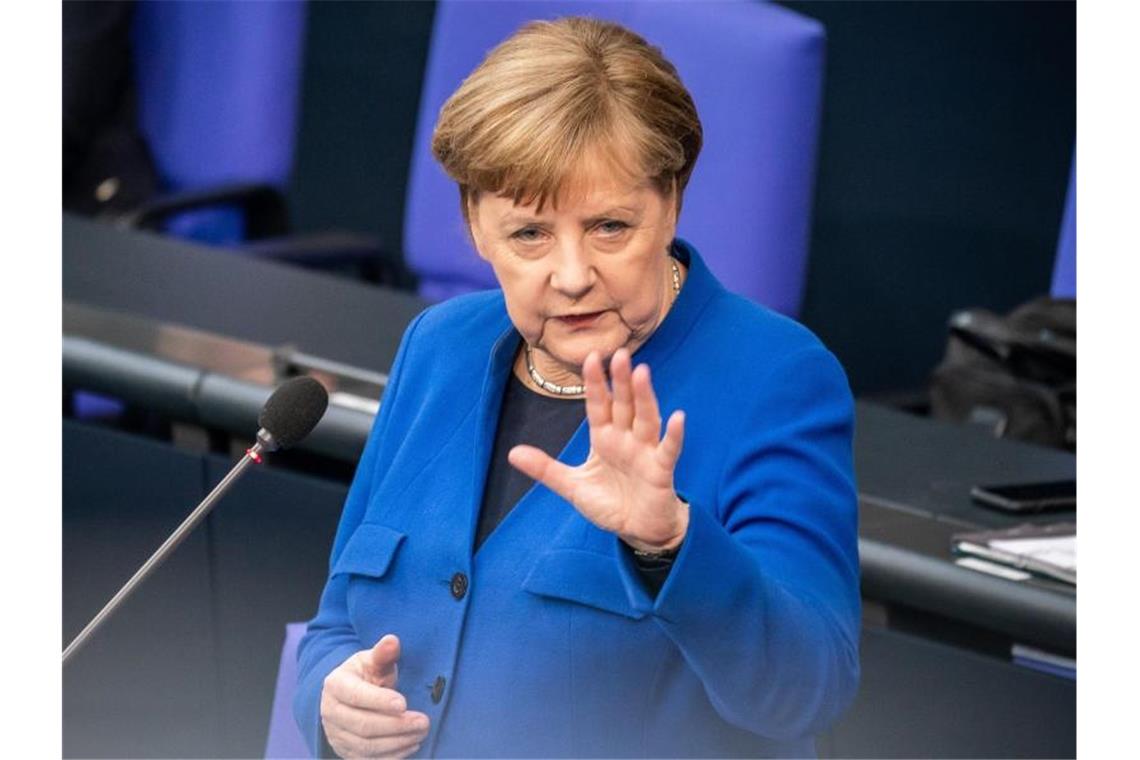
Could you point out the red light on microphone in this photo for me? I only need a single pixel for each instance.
(253, 455)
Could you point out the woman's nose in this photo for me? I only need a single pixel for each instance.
(573, 274)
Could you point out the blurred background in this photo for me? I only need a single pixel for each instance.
(945, 146)
(248, 196)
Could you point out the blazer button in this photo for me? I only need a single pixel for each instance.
(459, 585)
(437, 689)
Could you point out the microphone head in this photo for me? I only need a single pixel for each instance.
(293, 410)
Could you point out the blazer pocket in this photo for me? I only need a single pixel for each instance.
(582, 577)
(369, 551)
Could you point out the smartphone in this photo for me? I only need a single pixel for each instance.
(1028, 497)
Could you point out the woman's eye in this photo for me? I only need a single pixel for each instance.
(527, 235)
(612, 227)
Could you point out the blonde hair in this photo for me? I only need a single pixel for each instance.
(556, 94)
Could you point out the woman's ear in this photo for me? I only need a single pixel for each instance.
(674, 207)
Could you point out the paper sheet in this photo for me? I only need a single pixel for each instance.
(1060, 550)
(992, 568)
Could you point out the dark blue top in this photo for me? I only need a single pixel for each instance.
(525, 417)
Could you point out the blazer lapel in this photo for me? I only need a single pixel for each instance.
(558, 521)
(487, 421)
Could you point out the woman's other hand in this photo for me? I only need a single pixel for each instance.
(626, 484)
(362, 713)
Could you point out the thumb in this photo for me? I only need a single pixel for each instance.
(538, 465)
(380, 662)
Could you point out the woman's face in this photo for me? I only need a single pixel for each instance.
(591, 274)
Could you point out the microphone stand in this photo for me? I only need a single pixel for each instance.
(264, 443)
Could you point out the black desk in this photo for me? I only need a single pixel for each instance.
(914, 476)
(224, 292)
(937, 680)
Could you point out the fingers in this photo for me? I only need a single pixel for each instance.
(538, 465)
(347, 686)
(669, 450)
(632, 405)
(368, 724)
(622, 410)
(407, 752)
(646, 417)
(349, 744)
(381, 662)
(351, 747)
(598, 400)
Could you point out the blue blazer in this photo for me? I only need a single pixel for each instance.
(557, 648)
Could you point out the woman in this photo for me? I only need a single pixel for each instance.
(686, 591)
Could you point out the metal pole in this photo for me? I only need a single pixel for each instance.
(168, 546)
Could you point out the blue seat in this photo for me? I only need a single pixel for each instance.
(1065, 265)
(755, 71)
(218, 88)
(218, 95)
(285, 740)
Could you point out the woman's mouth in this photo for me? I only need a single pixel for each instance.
(586, 319)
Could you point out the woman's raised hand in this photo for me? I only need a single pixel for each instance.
(626, 484)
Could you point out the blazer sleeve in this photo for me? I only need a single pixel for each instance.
(763, 598)
(330, 638)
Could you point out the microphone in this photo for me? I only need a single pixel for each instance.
(290, 414)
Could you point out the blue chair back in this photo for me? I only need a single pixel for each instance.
(755, 71)
(285, 740)
(218, 90)
(1065, 264)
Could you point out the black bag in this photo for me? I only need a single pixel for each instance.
(1017, 374)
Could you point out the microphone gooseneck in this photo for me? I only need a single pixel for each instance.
(290, 414)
